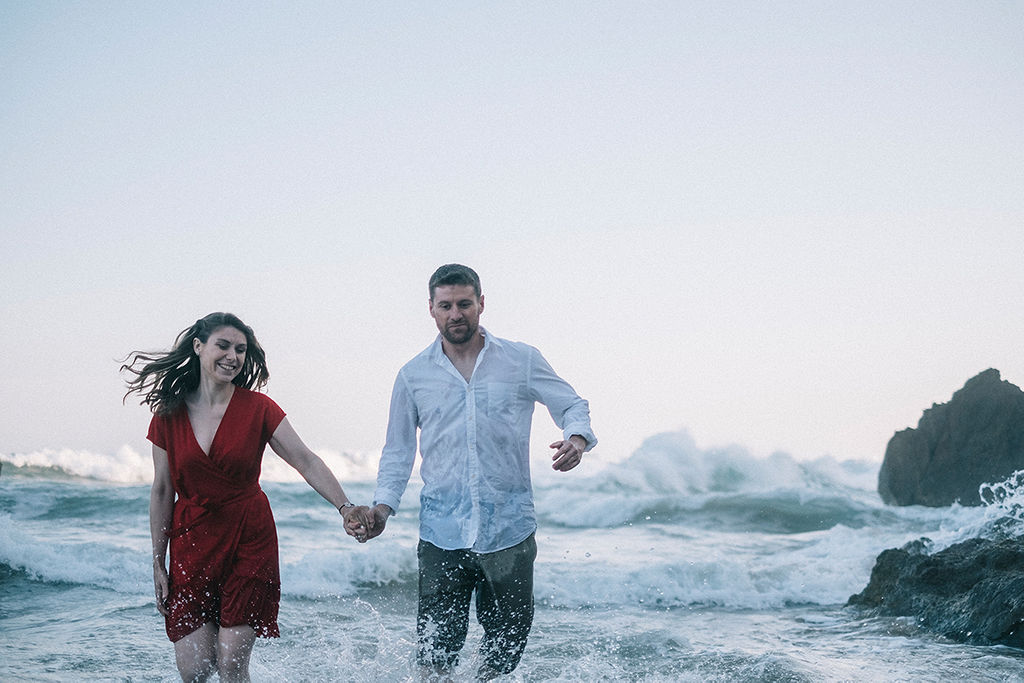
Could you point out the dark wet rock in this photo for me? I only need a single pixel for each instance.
(971, 592)
(976, 438)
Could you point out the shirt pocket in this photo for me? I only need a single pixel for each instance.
(502, 401)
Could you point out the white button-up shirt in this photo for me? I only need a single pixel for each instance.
(474, 442)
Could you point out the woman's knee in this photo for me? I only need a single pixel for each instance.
(196, 672)
(233, 668)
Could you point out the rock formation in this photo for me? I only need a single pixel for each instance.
(976, 438)
(971, 592)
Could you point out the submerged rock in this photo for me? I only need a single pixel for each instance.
(976, 438)
(971, 592)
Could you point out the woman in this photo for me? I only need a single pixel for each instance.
(209, 431)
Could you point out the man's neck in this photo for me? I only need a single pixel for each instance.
(463, 356)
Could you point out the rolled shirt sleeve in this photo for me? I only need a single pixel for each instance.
(569, 411)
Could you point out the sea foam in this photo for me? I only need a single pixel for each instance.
(128, 466)
(668, 473)
(82, 561)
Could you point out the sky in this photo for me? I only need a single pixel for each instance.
(790, 226)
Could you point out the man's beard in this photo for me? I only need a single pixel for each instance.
(462, 337)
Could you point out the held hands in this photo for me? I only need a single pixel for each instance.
(364, 523)
(357, 521)
(569, 453)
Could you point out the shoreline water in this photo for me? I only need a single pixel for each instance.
(676, 564)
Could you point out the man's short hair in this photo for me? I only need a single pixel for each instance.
(454, 274)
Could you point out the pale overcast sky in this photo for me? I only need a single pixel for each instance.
(787, 225)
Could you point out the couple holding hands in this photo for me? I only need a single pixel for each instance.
(468, 397)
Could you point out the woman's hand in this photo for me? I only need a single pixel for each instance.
(162, 586)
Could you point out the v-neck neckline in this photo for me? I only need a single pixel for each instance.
(216, 432)
(445, 361)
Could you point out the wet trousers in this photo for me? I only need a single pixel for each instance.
(503, 582)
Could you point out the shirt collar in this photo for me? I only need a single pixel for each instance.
(437, 351)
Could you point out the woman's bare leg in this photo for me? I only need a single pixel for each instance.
(234, 646)
(196, 654)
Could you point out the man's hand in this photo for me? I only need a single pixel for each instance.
(364, 523)
(379, 514)
(568, 453)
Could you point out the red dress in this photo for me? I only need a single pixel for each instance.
(224, 566)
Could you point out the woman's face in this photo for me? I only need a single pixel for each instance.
(222, 356)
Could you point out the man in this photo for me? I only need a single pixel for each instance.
(472, 395)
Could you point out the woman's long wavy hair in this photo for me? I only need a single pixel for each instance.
(164, 378)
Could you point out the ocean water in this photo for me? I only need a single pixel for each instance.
(676, 564)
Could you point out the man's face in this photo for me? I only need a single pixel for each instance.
(456, 310)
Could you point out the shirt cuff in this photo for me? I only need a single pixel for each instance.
(581, 430)
(390, 500)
